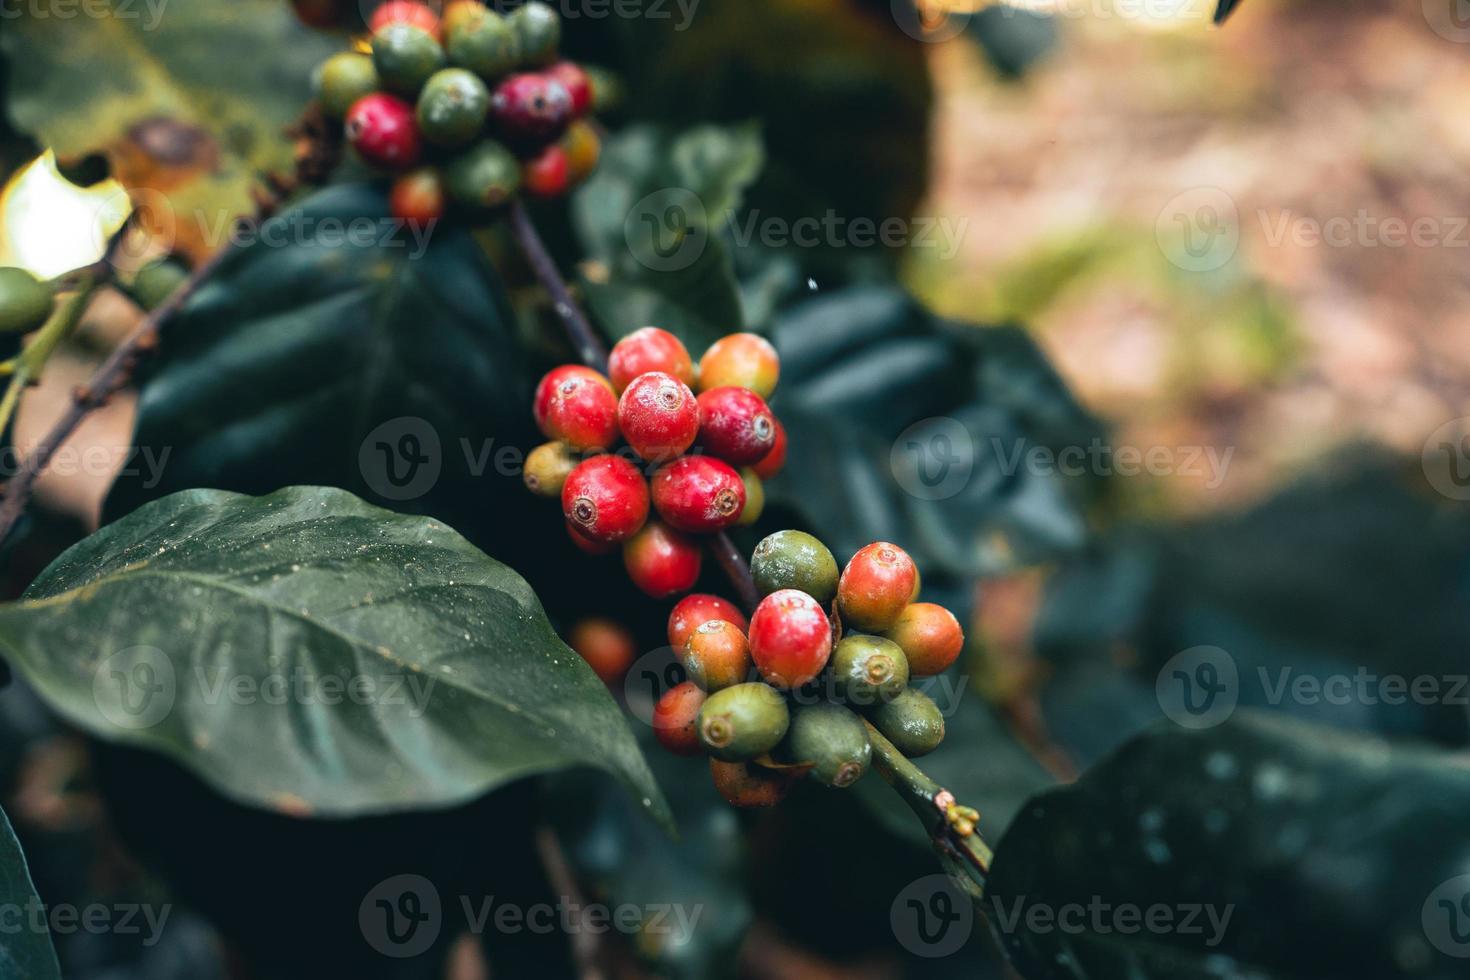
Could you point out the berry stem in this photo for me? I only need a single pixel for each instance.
(32, 360)
(590, 348)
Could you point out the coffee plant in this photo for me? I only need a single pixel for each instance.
(538, 579)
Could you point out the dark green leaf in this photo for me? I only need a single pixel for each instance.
(26, 952)
(310, 652)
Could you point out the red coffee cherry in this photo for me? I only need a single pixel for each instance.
(659, 416)
(547, 174)
(606, 498)
(693, 611)
(607, 647)
(745, 784)
(549, 382)
(406, 12)
(648, 349)
(875, 587)
(745, 360)
(418, 197)
(676, 717)
(699, 494)
(717, 655)
(790, 638)
(383, 131)
(929, 636)
(736, 425)
(531, 109)
(661, 561)
(577, 83)
(580, 409)
(772, 462)
(587, 544)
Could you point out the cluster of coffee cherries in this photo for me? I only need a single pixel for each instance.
(647, 402)
(469, 108)
(786, 692)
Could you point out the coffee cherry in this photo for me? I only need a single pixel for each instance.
(698, 494)
(743, 721)
(875, 586)
(661, 561)
(405, 12)
(547, 175)
(744, 784)
(830, 739)
(458, 14)
(580, 410)
(605, 498)
(742, 360)
(405, 55)
(481, 40)
(530, 109)
(607, 647)
(771, 463)
(156, 282)
(794, 560)
(584, 147)
(911, 721)
(578, 85)
(716, 655)
(648, 349)
(343, 79)
(547, 468)
(790, 638)
(418, 196)
(483, 177)
(587, 544)
(552, 381)
(869, 670)
(930, 636)
(382, 129)
(693, 611)
(452, 107)
(735, 425)
(755, 497)
(659, 416)
(676, 717)
(538, 29)
(25, 302)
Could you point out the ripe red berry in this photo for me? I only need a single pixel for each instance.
(547, 174)
(384, 132)
(606, 498)
(659, 416)
(736, 425)
(790, 638)
(875, 587)
(771, 463)
(405, 12)
(530, 109)
(553, 379)
(587, 544)
(579, 409)
(699, 494)
(649, 349)
(693, 611)
(607, 647)
(929, 636)
(418, 197)
(716, 655)
(577, 83)
(661, 561)
(745, 360)
(745, 784)
(675, 719)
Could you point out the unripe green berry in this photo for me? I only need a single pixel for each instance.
(484, 176)
(911, 721)
(156, 282)
(25, 301)
(405, 56)
(538, 29)
(832, 740)
(743, 722)
(794, 560)
(343, 79)
(484, 42)
(869, 670)
(755, 497)
(452, 107)
(547, 468)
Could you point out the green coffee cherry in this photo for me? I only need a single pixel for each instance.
(743, 722)
(832, 740)
(156, 281)
(911, 721)
(452, 107)
(485, 43)
(538, 29)
(795, 560)
(869, 670)
(25, 301)
(483, 176)
(343, 79)
(405, 56)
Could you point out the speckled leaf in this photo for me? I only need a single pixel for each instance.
(26, 953)
(310, 652)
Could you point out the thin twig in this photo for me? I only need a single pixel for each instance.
(559, 873)
(590, 348)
